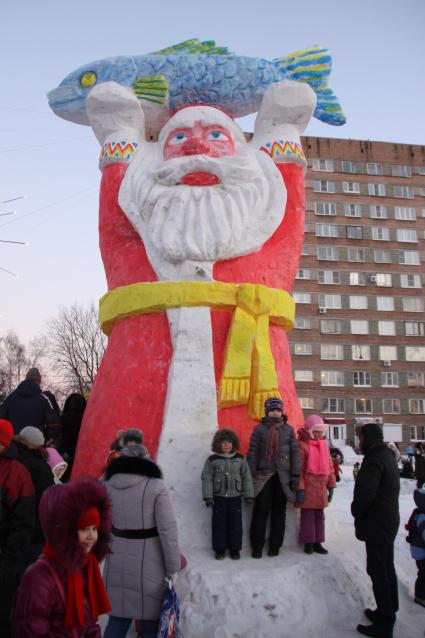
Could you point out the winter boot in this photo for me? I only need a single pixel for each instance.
(319, 549)
(257, 553)
(220, 555)
(308, 548)
(273, 551)
(374, 631)
(370, 614)
(235, 555)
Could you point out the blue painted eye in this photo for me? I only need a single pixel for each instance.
(217, 136)
(178, 138)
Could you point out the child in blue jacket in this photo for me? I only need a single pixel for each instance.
(416, 538)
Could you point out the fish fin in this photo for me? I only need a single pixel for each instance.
(313, 66)
(153, 88)
(194, 47)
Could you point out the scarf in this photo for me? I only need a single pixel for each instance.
(272, 443)
(98, 598)
(318, 457)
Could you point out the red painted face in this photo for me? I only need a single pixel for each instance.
(211, 140)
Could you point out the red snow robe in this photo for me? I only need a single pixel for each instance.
(315, 486)
(131, 384)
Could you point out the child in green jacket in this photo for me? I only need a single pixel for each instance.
(225, 479)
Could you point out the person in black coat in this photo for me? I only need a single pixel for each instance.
(72, 415)
(419, 465)
(376, 519)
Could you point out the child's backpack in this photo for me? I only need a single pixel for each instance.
(415, 531)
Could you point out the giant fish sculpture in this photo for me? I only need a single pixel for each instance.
(195, 72)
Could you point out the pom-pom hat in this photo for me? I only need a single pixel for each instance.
(6, 432)
(315, 423)
(273, 403)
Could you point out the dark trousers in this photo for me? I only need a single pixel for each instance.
(118, 627)
(380, 567)
(227, 524)
(312, 526)
(271, 500)
(420, 581)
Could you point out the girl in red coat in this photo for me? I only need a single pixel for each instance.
(316, 485)
(62, 594)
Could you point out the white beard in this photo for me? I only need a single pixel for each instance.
(180, 223)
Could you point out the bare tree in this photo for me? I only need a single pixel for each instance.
(14, 362)
(75, 346)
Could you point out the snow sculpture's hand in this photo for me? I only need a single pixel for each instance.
(209, 502)
(300, 497)
(330, 494)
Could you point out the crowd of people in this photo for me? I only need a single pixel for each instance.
(54, 532)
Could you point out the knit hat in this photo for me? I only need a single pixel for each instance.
(6, 432)
(89, 516)
(273, 403)
(33, 374)
(133, 434)
(32, 435)
(56, 462)
(315, 423)
(137, 450)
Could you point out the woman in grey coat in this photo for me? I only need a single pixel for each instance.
(144, 544)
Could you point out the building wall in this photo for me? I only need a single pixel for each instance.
(383, 289)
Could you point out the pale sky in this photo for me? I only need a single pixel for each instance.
(378, 75)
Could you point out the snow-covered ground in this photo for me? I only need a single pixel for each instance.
(293, 595)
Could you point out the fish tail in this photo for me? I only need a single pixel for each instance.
(313, 66)
(153, 88)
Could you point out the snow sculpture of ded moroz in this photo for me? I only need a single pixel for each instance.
(200, 234)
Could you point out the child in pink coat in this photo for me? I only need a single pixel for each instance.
(316, 485)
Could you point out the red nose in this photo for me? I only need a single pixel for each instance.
(195, 146)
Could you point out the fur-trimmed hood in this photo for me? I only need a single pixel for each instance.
(133, 465)
(225, 434)
(60, 508)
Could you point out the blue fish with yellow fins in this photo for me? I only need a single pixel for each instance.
(195, 72)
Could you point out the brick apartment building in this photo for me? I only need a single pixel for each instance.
(358, 346)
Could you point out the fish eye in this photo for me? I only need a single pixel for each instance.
(218, 136)
(88, 79)
(177, 138)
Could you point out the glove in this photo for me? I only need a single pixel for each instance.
(293, 483)
(300, 497)
(172, 577)
(330, 493)
(249, 500)
(209, 502)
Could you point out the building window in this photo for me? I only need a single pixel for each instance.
(415, 353)
(357, 302)
(331, 326)
(305, 250)
(306, 403)
(409, 257)
(352, 210)
(328, 253)
(383, 279)
(380, 233)
(356, 254)
(363, 406)
(386, 328)
(360, 352)
(303, 323)
(374, 169)
(389, 379)
(406, 234)
(386, 304)
(322, 165)
(420, 170)
(413, 432)
(414, 328)
(410, 281)
(391, 406)
(333, 405)
(404, 192)
(323, 186)
(331, 377)
(405, 213)
(416, 379)
(359, 327)
(401, 171)
(351, 187)
(303, 375)
(357, 278)
(331, 351)
(328, 277)
(378, 212)
(330, 301)
(303, 273)
(382, 256)
(417, 406)
(354, 232)
(361, 378)
(302, 297)
(377, 190)
(325, 208)
(413, 304)
(349, 167)
(302, 348)
(326, 230)
(388, 353)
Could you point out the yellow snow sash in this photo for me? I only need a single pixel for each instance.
(249, 372)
